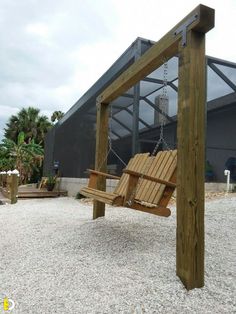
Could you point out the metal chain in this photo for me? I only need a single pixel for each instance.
(164, 100)
(110, 140)
(110, 149)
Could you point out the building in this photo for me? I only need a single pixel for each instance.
(135, 118)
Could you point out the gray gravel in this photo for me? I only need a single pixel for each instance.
(55, 259)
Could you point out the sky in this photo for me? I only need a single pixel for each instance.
(53, 51)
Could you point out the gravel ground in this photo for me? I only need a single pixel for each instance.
(55, 259)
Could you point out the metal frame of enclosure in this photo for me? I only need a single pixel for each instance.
(134, 126)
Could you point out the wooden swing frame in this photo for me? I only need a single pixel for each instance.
(187, 40)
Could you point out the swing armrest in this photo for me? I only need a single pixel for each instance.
(103, 174)
(150, 178)
(94, 174)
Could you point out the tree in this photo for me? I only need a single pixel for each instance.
(6, 162)
(29, 121)
(56, 116)
(25, 157)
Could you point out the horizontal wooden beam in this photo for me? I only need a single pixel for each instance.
(164, 49)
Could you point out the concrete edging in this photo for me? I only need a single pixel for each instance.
(73, 185)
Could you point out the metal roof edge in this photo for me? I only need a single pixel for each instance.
(125, 57)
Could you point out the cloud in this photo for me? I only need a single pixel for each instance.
(53, 51)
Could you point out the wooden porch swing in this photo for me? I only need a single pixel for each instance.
(148, 191)
(148, 181)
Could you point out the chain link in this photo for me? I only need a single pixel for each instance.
(163, 104)
(110, 149)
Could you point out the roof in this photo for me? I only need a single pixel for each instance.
(221, 81)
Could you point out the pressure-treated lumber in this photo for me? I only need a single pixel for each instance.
(14, 188)
(99, 173)
(191, 161)
(94, 176)
(164, 49)
(131, 190)
(155, 210)
(101, 155)
(192, 89)
(31, 192)
(146, 177)
(10, 187)
(103, 196)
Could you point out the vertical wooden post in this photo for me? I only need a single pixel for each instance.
(191, 161)
(101, 154)
(14, 188)
(4, 180)
(8, 186)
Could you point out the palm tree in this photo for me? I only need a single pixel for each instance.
(56, 116)
(6, 162)
(29, 121)
(25, 157)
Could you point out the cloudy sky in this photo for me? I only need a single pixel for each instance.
(53, 51)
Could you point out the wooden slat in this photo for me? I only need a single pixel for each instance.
(162, 167)
(158, 163)
(144, 185)
(157, 191)
(135, 163)
(120, 188)
(107, 175)
(168, 192)
(102, 196)
(149, 178)
(156, 210)
(138, 167)
(167, 172)
(36, 193)
(131, 186)
(147, 187)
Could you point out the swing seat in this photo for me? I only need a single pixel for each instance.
(147, 184)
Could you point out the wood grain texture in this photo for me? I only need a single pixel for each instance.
(101, 153)
(103, 196)
(131, 184)
(191, 161)
(155, 210)
(14, 188)
(149, 178)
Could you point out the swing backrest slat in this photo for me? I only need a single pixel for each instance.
(162, 166)
(136, 164)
